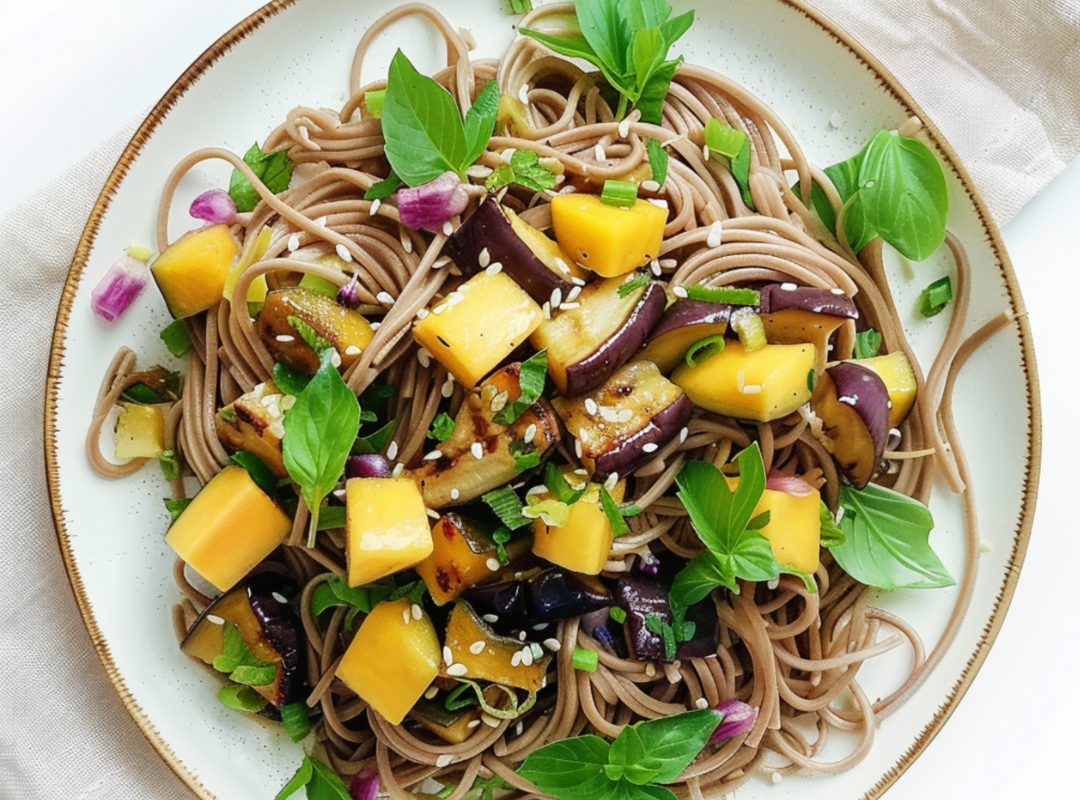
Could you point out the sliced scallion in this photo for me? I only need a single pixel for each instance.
(585, 660)
(935, 297)
(750, 328)
(704, 349)
(619, 193)
(731, 295)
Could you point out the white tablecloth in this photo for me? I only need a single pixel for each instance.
(77, 76)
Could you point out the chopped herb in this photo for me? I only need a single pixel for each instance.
(239, 662)
(617, 614)
(611, 511)
(935, 297)
(724, 294)
(170, 466)
(831, 535)
(273, 169)
(658, 160)
(331, 517)
(295, 719)
(459, 698)
(446, 791)
(412, 591)
(377, 442)
(585, 660)
(313, 283)
(384, 188)
(525, 455)
(723, 140)
(633, 282)
(321, 782)
(441, 427)
(811, 380)
(501, 536)
(704, 349)
(261, 474)
(520, 7)
(242, 698)
(867, 343)
(531, 380)
(559, 487)
(175, 507)
(525, 170)
(309, 335)
(621, 194)
(176, 338)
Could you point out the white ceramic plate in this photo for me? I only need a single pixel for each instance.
(293, 53)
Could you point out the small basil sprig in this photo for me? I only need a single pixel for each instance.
(320, 428)
(441, 427)
(525, 170)
(629, 41)
(893, 188)
(531, 379)
(424, 133)
(887, 540)
(642, 756)
(237, 659)
(321, 782)
(273, 169)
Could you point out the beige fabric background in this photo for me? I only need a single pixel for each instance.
(999, 77)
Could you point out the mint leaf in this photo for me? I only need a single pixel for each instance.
(336, 592)
(650, 101)
(525, 170)
(570, 769)
(273, 169)
(296, 720)
(175, 507)
(242, 698)
(239, 662)
(288, 379)
(320, 429)
(376, 442)
(887, 540)
(531, 380)
(903, 194)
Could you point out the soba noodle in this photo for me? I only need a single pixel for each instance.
(789, 652)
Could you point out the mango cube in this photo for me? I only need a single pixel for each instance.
(761, 385)
(229, 527)
(794, 529)
(896, 373)
(386, 528)
(583, 543)
(478, 326)
(607, 239)
(140, 431)
(191, 273)
(392, 660)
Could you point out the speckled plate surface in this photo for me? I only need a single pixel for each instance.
(830, 92)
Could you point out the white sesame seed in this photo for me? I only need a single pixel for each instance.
(777, 777)
(423, 313)
(680, 291)
(683, 434)
(520, 727)
(554, 645)
(343, 253)
(385, 297)
(439, 309)
(279, 597)
(569, 306)
(499, 401)
(526, 656)
(577, 281)
(626, 415)
(701, 703)
(431, 512)
(590, 406)
(478, 171)
(494, 268)
(431, 692)
(441, 262)
(406, 242)
(294, 243)
(492, 618)
(837, 291)
(492, 564)
(335, 358)
(484, 258)
(474, 724)
(374, 207)
(417, 612)
(454, 494)
(650, 670)
(752, 388)
(650, 186)
(577, 448)
(447, 387)
(424, 357)
(521, 635)
(398, 469)
(444, 760)
(562, 265)
(705, 152)
(556, 297)
(477, 647)
(546, 308)
(284, 337)
(535, 490)
(650, 447)
(657, 202)
(515, 659)
(392, 451)
(321, 221)
(537, 651)
(624, 128)
(523, 93)
(489, 720)
(454, 298)
(352, 350)
(655, 267)
(773, 584)
(540, 626)
(215, 619)
(574, 292)
(530, 432)
(477, 450)
(406, 616)
(599, 153)
(434, 455)
(612, 479)
(716, 233)
(447, 228)
(457, 670)
(740, 379)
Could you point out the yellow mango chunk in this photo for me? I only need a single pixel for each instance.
(193, 270)
(462, 556)
(762, 385)
(392, 659)
(471, 336)
(896, 373)
(257, 289)
(607, 239)
(386, 528)
(583, 543)
(794, 529)
(140, 431)
(229, 527)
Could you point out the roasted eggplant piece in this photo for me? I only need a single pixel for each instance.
(260, 610)
(465, 555)
(794, 314)
(628, 419)
(684, 323)
(255, 422)
(852, 403)
(343, 328)
(648, 612)
(494, 234)
(502, 605)
(480, 454)
(586, 344)
(558, 594)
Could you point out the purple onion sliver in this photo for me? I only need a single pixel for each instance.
(365, 785)
(348, 295)
(428, 206)
(649, 564)
(739, 718)
(367, 466)
(119, 288)
(603, 634)
(214, 206)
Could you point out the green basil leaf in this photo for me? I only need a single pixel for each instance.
(807, 578)
(377, 442)
(608, 31)
(441, 427)
(740, 170)
(646, 13)
(320, 429)
(671, 743)
(384, 188)
(707, 498)
(261, 474)
(658, 160)
(288, 379)
(325, 783)
(331, 517)
(423, 133)
(831, 535)
(888, 540)
(647, 54)
(175, 507)
(298, 781)
(650, 101)
(752, 558)
(570, 769)
(573, 46)
(242, 698)
(480, 122)
(517, 7)
(273, 169)
(867, 343)
(627, 758)
(176, 338)
(759, 522)
(531, 380)
(697, 579)
(673, 29)
(611, 511)
(903, 194)
(748, 492)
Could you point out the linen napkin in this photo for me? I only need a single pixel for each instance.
(1001, 79)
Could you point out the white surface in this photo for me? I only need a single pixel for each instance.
(114, 70)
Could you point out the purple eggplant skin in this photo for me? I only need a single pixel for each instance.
(367, 466)
(853, 404)
(268, 597)
(593, 371)
(557, 594)
(489, 229)
(630, 454)
(706, 639)
(505, 601)
(684, 323)
(787, 296)
(641, 597)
